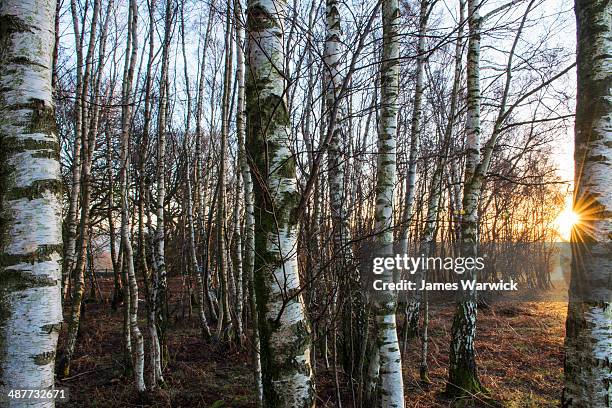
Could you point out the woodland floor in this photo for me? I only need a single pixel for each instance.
(519, 354)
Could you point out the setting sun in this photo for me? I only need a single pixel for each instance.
(564, 223)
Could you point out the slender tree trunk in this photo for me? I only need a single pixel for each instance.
(200, 177)
(463, 377)
(118, 293)
(349, 299)
(415, 127)
(435, 196)
(588, 345)
(222, 268)
(150, 279)
(194, 259)
(249, 215)
(190, 219)
(31, 247)
(126, 116)
(239, 296)
(70, 249)
(86, 159)
(390, 362)
(335, 159)
(159, 286)
(413, 306)
(285, 334)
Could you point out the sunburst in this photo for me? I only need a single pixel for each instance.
(565, 222)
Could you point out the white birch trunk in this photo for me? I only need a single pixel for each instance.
(30, 275)
(413, 306)
(70, 250)
(349, 296)
(335, 160)
(86, 160)
(222, 265)
(463, 377)
(588, 345)
(390, 372)
(238, 278)
(249, 212)
(415, 128)
(285, 334)
(135, 339)
(205, 330)
(159, 286)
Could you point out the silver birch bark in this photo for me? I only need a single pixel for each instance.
(200, 184)
(238, 267)
(435, 195)
(70, 250)
(415, 127)
(86, 159)
(159, 286)
(239, 32)
(463, 377)
(154, 356)
(200, 179)
(118, 291)
(413, 306)
(349, 300)
(222, 269)
(249, 214)
(588, 345)
(135, 336)
(455, 190)
(242, 168)
(30, 206)
(390, 371)
(285, 334)
(335, 161)
(205, 330)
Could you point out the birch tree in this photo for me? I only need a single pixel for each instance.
(85, 163)
(205, 330)
(349, 299)
(72, 216)
(202, 284)
(248, 259)
(222, 265)
(412, 307)
(389, 358)
(333, 85)
(463, 377)
(30, 201)
(131, 305)
(588, 345)
(159, 286)
(415, 124)
(284, 332)
(436, 189)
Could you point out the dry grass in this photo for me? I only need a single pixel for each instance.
(519, 353)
